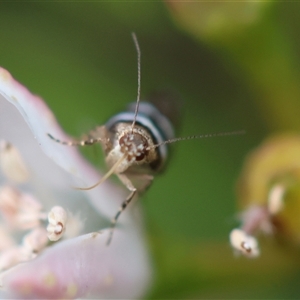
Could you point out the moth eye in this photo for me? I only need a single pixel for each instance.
(140, 157)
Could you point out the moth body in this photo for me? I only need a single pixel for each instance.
(135, 142)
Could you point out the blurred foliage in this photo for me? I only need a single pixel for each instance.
(255, 37)
(275, 163)
(235, 66)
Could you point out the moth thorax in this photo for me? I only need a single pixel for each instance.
(134, 145)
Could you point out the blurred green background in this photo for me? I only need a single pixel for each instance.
(235, 66)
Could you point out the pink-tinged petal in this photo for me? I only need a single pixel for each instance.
(85, 267)
(81, 266)
(25, 121)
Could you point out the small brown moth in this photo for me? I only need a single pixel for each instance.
(135, 142)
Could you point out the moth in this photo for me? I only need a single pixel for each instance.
(135, 142)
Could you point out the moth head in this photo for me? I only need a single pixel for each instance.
(135, 144)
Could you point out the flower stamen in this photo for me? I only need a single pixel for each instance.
(12, 163)
(35, 241)
(57, 219)
(20, 210)
(244, 243)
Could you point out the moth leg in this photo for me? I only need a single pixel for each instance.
(141, 181)
(84, 142)
(126, 181)
(101, 134)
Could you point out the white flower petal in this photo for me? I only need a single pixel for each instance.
(82, 266)
(18, 106)
(85, 267)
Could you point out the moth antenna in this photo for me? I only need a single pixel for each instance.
(137, 47)
(110, 172)
(191, 137)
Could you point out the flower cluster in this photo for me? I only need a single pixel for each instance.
(269, 194)
(51, 246)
